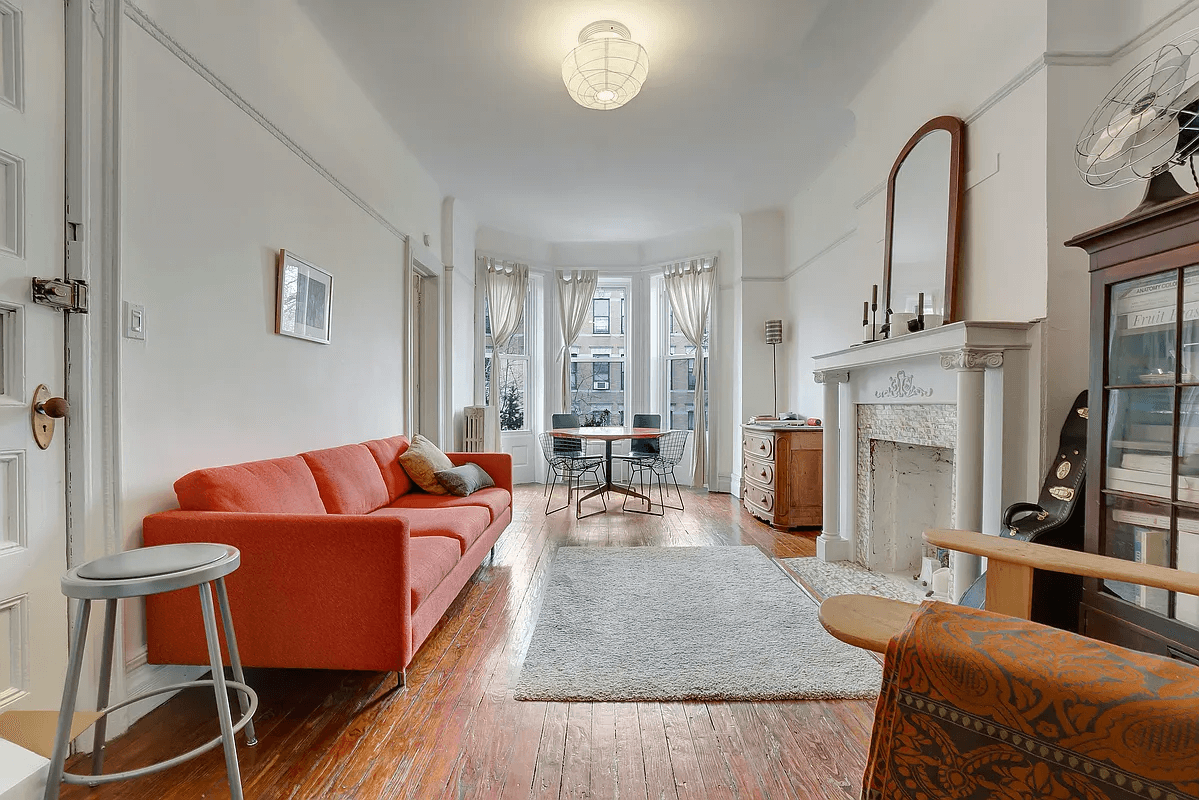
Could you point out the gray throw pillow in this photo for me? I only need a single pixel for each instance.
(464, 480)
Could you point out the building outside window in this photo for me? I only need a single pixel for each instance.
(680, 375)
(597, 368)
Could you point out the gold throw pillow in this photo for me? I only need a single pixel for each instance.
(422, 461)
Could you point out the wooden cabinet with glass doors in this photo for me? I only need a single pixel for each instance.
(1143, 433)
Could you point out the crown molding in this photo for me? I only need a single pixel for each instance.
(831, 246)
(1100, 58)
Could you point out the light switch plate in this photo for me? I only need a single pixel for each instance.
(135, 321)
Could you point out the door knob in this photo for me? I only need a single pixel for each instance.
(45, 409)
(55, 407)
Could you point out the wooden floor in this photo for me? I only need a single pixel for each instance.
(456, 731)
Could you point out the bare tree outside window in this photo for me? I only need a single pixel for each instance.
(514, 382)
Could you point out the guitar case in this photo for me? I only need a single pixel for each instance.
(1057, 519)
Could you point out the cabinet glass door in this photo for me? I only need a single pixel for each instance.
(1151, 479)
(1141, 331)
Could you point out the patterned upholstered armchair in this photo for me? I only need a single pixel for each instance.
(986, 704)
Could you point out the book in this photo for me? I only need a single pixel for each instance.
(1164, 315)
(1146, 463)
(1157, 293)
(1128, 444)
(1151, 546)
(1155, 484)
(1160, 521)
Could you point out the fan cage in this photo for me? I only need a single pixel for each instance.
(1155, 89)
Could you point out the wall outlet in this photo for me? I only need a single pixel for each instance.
(135, 321)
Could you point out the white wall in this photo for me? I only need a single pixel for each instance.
(961, 59)
(210, 196)
(458, 234)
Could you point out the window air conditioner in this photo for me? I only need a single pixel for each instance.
(601, 385)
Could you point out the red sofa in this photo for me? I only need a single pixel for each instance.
(345, 563)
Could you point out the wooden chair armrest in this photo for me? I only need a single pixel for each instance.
(1057, 559)
(864, 620)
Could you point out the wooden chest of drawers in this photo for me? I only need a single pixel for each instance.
(782, 475)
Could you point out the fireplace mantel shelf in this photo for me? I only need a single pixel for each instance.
(987, 336)
(979, 368)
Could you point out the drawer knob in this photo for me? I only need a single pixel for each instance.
(763, 473)
(762, 446)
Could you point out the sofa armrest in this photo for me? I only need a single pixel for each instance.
(497, 465)
(318, 590)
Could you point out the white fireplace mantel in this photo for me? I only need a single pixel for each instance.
(982, 368)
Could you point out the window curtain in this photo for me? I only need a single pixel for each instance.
(507, 288)
(689, 286)
(576, 289)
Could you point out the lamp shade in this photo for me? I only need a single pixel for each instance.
(774, 331)
(607, 69)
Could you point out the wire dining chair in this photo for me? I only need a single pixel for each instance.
(562, 445)
(661, 468)
(567, 462)
(642, 449)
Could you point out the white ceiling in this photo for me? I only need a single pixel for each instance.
(745, 100)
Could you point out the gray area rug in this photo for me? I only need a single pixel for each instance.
(684, 623)
(831, 578)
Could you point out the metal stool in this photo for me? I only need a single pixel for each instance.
(137, 573)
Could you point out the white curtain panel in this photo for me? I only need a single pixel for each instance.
(576, 288)
(689, 286)
(507, 288)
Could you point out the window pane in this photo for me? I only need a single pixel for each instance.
(516, 345)
(514, 395)
(597, 382)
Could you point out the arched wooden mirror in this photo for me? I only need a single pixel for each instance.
(924, 218)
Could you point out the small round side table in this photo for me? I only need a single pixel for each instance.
(137, 573)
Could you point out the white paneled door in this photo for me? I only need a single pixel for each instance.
(33, 612)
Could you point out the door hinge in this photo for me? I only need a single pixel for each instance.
(65, 295)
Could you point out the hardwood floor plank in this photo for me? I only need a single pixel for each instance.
(718, 783)
(521, 765)
(659, 775)
(751, 748)
(551, 754)
(688, 780)
(576, 765)
(457, 732)
(630, 760)
(603, 776)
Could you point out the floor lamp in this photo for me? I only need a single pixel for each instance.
(774, 337)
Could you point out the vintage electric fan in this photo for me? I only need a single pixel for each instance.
(1146, 124)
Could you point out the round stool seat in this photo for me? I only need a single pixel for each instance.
(150, 570)
(149, 562)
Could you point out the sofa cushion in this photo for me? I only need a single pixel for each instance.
(276, 486)
(421, 460)
(494, 499)
(387, 454)
(348, 479)
(432, 558)
(464, 524)
(465, 480)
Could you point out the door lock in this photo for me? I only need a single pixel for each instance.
(43, 411)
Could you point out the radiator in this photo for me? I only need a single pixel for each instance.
(474, 438)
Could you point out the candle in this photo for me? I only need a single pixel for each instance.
(874, 296)
(865, 313)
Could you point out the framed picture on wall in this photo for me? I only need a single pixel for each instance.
(305, 302)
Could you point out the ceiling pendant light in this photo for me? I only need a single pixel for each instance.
(607, 69)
